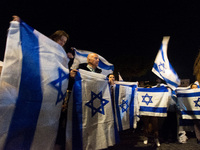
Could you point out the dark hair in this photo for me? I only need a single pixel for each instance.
(192, 85)
(147, 86)
(58, 34)
(110, 74)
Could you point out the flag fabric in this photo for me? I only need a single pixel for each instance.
(33, 82)
(162, 67)
(120, 78)
(126, 105)
(90, 123)
(81, 57)
(153, 101)
(189, 103)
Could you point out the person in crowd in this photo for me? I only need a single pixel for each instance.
(196, 121)
(60, 37)
(111, 80)
(91, 65)
(169, 128)
(150, 126)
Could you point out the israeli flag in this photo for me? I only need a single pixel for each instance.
(126, 105)
(162, 67)
(90, 123)
(81, 57)
(189, 103)
(33, 84)
(153, 101)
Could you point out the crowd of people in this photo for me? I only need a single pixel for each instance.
(150, 123)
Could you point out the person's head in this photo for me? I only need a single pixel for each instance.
(147, 86)
(111, 77)
(70, 55)
(93, 60)
(60, 37)
(193, 86)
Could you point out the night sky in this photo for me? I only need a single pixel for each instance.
(114, 29)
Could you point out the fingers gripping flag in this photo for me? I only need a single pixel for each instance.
(90, 123)
(153, 101)
(162, 67)
(81, 57)
(33, 82)
(126, 105)
(189, 103)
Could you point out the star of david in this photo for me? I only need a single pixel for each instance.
(144, 99)
(124, 105)
(161, 67)
(95, 98)
(57, 84)
(197, 102)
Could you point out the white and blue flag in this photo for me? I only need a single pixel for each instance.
(126, 105)
(162, 67)
(81, 57)
(153, 101)
(90, 123)
(33, 83)
(189, 103)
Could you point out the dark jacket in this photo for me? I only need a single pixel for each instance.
(84, 67)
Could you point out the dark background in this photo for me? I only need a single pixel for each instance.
(126, 33)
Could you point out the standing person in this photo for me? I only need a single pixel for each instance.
(196, 121)
(169, 128)
(150, 125)
(61, 37)
(111, 80)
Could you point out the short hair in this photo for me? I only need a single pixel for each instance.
(58, 34)
(193, 84)
(110, 74)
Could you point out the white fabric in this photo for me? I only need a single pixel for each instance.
(81, 57)
(162, 67)
(90, 122)
(29, 99)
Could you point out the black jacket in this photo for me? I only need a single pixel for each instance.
(84, 67)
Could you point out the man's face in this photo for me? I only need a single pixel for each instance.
(111, 77)
(94, 60)
(194, 86)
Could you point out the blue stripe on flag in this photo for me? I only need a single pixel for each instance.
(28, 104)
(84, 55)
(161, 49)
(190, 112)
(197, 94)
(77, 141)
(155, 66)
(104, 66)
(156, 89)
(131, 108)
(117, 107)
(154, 109)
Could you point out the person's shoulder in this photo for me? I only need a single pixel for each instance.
(98, 70)
(82, 66)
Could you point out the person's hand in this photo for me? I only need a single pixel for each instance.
(73, 73)
(16, 18)
(112, 82)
